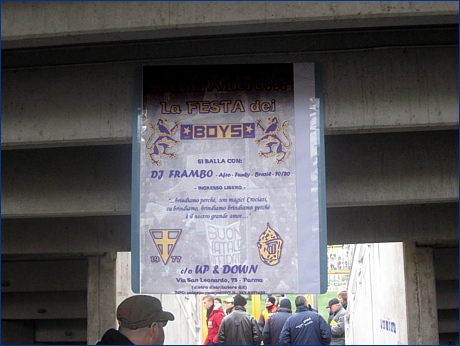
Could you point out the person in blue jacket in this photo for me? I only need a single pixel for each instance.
(305, 327)
(275, 323)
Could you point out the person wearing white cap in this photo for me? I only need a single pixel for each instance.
(229, 305)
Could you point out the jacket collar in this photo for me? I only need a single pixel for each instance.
(302, 308)
(285, 310)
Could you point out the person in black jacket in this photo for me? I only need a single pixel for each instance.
(141, 321)
(239, 328)
(275, 323)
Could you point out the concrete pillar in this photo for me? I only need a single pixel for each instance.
(18, 332)
(101, 295)
(422, 315)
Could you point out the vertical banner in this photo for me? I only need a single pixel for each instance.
(228, 190)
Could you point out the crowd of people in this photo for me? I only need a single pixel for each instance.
(141, 321)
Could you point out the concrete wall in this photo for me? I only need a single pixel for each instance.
(446, 274)
(45, 300)
(390, 83)
(421, 304)
(364, 91)
(46, 23)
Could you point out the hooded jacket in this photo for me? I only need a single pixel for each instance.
(239, 328)
(274, 325)
(213, 322)
(305, 327)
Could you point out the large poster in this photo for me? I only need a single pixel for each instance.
(227, 187)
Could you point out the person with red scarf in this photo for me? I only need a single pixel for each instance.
(270, 309)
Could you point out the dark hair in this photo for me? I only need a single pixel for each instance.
(218, 299)
(209, 298)
(271, 299)
(300, 301)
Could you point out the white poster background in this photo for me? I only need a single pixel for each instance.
(232, 214)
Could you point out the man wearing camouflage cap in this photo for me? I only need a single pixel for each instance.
(141, 321)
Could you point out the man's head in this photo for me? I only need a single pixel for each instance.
(217, 301)
(301, 301)
(208, 302)
(343, 296)
(239, 300)
(285, 303)
(229, 303)
(269, 302)
(333, 305)
(141, 319)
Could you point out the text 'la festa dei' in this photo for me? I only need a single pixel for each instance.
(218, 106)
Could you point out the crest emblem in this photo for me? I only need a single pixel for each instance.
(270, 244)
(163, 142)
(165, 240)
(276, 147)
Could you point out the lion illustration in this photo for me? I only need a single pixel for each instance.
(276, 147)
(163, 142)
